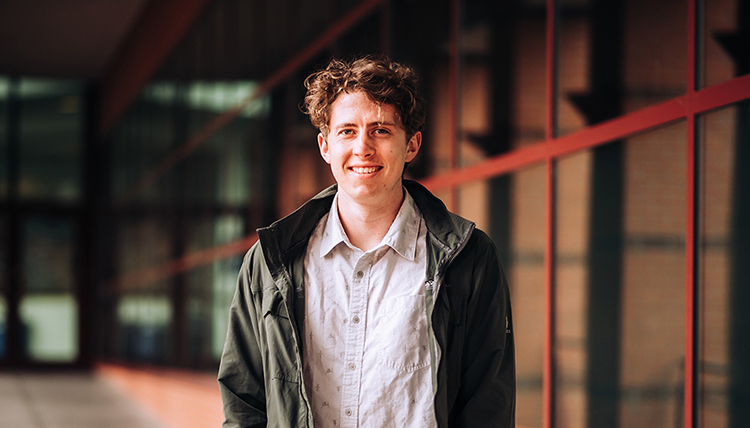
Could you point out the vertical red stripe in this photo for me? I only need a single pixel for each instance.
(690, 223)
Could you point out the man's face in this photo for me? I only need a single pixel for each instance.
(366, 147)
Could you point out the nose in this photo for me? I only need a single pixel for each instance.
(363, 146)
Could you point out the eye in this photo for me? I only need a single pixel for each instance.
(382, 131)
(346, 132)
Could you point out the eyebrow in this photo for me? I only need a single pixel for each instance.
(369, 125)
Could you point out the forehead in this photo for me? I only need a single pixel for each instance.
(356, 107)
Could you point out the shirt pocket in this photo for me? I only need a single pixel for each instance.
(402, 334)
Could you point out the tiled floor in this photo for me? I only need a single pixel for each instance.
(68, 400)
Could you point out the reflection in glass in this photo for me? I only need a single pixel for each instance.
(211, 290)
(3, 286)
(617, 57)
(48, 255)
(654, 57)
(573, 199)
(620, 283)
(166, 116)
(144, 320)
(724, 355)
(511, 210)
(4, 88)
(723, 55)
(573, 64)
(3, 326)
(51, 132)
(48, 307)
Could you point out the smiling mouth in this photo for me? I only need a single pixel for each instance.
(365, 169)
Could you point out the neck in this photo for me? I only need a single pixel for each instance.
(366, 225)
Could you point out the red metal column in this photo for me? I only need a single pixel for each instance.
(690, 225)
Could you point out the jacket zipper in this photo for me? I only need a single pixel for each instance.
(442, 269)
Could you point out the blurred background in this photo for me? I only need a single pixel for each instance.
(599, 142)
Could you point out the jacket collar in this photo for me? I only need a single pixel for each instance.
(446, 229)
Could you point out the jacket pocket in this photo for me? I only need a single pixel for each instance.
(402, 334)
(280, 339)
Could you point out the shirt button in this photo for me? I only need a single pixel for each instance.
(360, 274)
(352, 366)
(355, 319)
(348, 412)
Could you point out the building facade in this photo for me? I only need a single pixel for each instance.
(600, 144)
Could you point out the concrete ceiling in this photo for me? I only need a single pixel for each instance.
(63, 38)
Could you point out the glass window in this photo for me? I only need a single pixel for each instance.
(51, 132)
(573, 187)
(618, 57)
(167, 116)
(511, 209)
(500, 81)
(620, 282)
(144, 318)
(653, 58)
(212, 288)
(724, 55)
(48, 307)
(143, 304)
(574, 59)
(723, 353)
(3, 285)
(4, 88)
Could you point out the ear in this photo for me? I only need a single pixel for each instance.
(323, 146)
(413, 145)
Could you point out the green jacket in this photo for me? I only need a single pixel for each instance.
(468, 308)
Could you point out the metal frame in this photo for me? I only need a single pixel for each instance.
(691, 285)
(685, 107)
(279, 76)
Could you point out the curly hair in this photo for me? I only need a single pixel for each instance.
(382, 80)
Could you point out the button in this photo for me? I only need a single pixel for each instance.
(355, 319)
(352, 366)
(348, 412)
(360, 274)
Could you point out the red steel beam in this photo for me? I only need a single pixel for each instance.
(142, 277)
(678, 108)
(285, 72)
(160, 28)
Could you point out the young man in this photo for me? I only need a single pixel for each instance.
(371, 305)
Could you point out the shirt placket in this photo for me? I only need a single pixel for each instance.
(355, 342)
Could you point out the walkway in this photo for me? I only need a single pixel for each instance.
(110, 397)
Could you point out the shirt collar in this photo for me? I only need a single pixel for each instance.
(401, 236)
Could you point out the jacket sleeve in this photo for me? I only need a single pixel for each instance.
(241, 379)
(487, 390)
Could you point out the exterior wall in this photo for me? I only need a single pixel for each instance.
(619, 234)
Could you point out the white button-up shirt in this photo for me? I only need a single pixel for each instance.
(366, 344)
